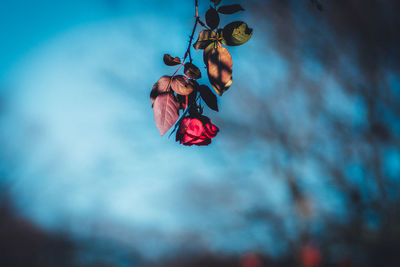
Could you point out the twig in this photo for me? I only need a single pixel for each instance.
(187, 53)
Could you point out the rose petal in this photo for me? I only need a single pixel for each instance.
(210, 130)
(182, 129)
(184, 125)
(195, 128)
(204, 143)
(199, 140)
(193, 139)
(188, 138)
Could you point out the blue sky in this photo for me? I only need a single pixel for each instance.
(80, 134)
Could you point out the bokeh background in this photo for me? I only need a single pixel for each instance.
(304, 172)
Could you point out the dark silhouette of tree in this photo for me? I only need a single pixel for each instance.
(355, 43)
(24, 244)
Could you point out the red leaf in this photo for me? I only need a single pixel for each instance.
(171, 61)
(162, 86)
(192, 71)
(181, 85)
(166, 112)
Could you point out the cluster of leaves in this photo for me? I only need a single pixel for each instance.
(170, 94)
(217, 58)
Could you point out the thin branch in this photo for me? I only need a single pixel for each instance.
(187, 53)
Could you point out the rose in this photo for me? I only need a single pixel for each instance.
(196, 130)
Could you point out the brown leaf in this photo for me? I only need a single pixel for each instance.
(207, 50)
(192, 71)
(209, 98)
(212, 18)
(166, 112)
(205, 38)
(219, 69)
(230, 9)
(171, 61)
(162, 86)
(180, 85)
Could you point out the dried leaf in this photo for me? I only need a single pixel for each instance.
(212, 18)
(171, 61)
(236, 33)
(166, 112)
(230, 9)
(181, 86)
(192, 71)
(162, 86)
(219, 69)
(209, 98)
(205, 38)
(209, 48)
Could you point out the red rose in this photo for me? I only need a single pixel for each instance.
(196, 131)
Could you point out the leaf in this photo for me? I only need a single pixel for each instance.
(230, 9)
(205, 38)
(192, 71)
(195, 84)
(193, 95)
(212, 18)
(162, 86)
(216, 2)
(209, 98)
(219, 69)
(166, 112)
(191, 98)
(208, 49)
(180, 85)
(171, 61)
(236, 33)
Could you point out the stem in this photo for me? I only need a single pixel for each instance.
(194, 30)
(187, 53)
